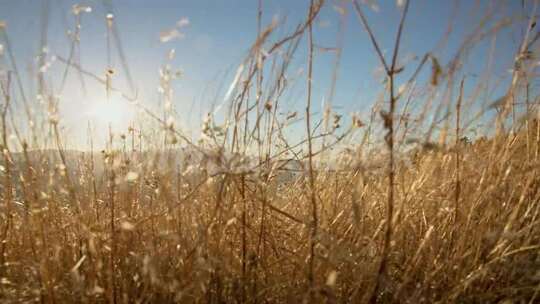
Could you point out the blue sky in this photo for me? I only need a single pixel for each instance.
(219, 35)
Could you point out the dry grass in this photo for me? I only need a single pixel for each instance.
(253, 218)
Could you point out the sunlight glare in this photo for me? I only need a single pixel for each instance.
(114, 112)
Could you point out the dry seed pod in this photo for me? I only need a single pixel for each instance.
(436, 71)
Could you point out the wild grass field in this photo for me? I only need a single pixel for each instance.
(399, 204)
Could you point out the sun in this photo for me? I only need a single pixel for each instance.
(108, 111)
(114, 112)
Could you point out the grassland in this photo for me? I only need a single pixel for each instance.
(396, 208)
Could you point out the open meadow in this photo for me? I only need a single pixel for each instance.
(416, 180)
